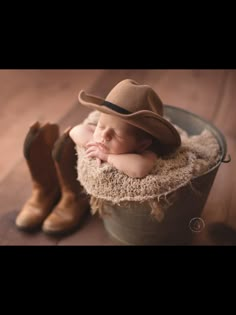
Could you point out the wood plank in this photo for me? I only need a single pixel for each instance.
(220, 210)
(110, 78)
(197, 91)
(218, 204)
(14, 81)
(92, 232)
(225, 116)
(14, 190)
(225, 121)
(48, 96)
(221, 206)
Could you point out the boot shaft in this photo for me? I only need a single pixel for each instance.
(38, 147)
(65, 159)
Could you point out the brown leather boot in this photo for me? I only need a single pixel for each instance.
(46, 190)
(74, 203)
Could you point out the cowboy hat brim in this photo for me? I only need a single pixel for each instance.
(146, 120)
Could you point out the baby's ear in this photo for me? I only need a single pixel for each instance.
(144, 144)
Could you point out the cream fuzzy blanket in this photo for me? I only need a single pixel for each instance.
(196, 155)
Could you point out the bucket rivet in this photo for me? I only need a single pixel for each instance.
(228, 160)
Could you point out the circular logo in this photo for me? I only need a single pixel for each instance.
(196, 225)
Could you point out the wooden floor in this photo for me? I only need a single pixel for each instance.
(51, 95)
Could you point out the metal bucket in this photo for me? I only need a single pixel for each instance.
(136, 226)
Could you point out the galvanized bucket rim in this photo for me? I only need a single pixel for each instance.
(217, 133)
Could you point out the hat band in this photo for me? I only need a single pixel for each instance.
(116, 108)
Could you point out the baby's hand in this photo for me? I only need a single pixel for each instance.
(90, 143)
(94, 151)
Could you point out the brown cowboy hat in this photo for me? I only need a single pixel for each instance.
(139, 106)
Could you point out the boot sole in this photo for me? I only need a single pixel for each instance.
(61, 233)
(29, 229)
(69, 230)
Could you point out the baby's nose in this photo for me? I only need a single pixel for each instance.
(106, 136)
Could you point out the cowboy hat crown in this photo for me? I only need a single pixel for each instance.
(133, 97)
(138, 105)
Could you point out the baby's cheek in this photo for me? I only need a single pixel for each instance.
(95, 136)
(119, 147)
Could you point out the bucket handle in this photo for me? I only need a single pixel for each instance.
(226, 160)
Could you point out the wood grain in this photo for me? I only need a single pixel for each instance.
(195, 90)
(34, 95)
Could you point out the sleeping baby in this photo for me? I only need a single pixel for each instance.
(131, 130)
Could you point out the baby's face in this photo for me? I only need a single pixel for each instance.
(115, 136)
